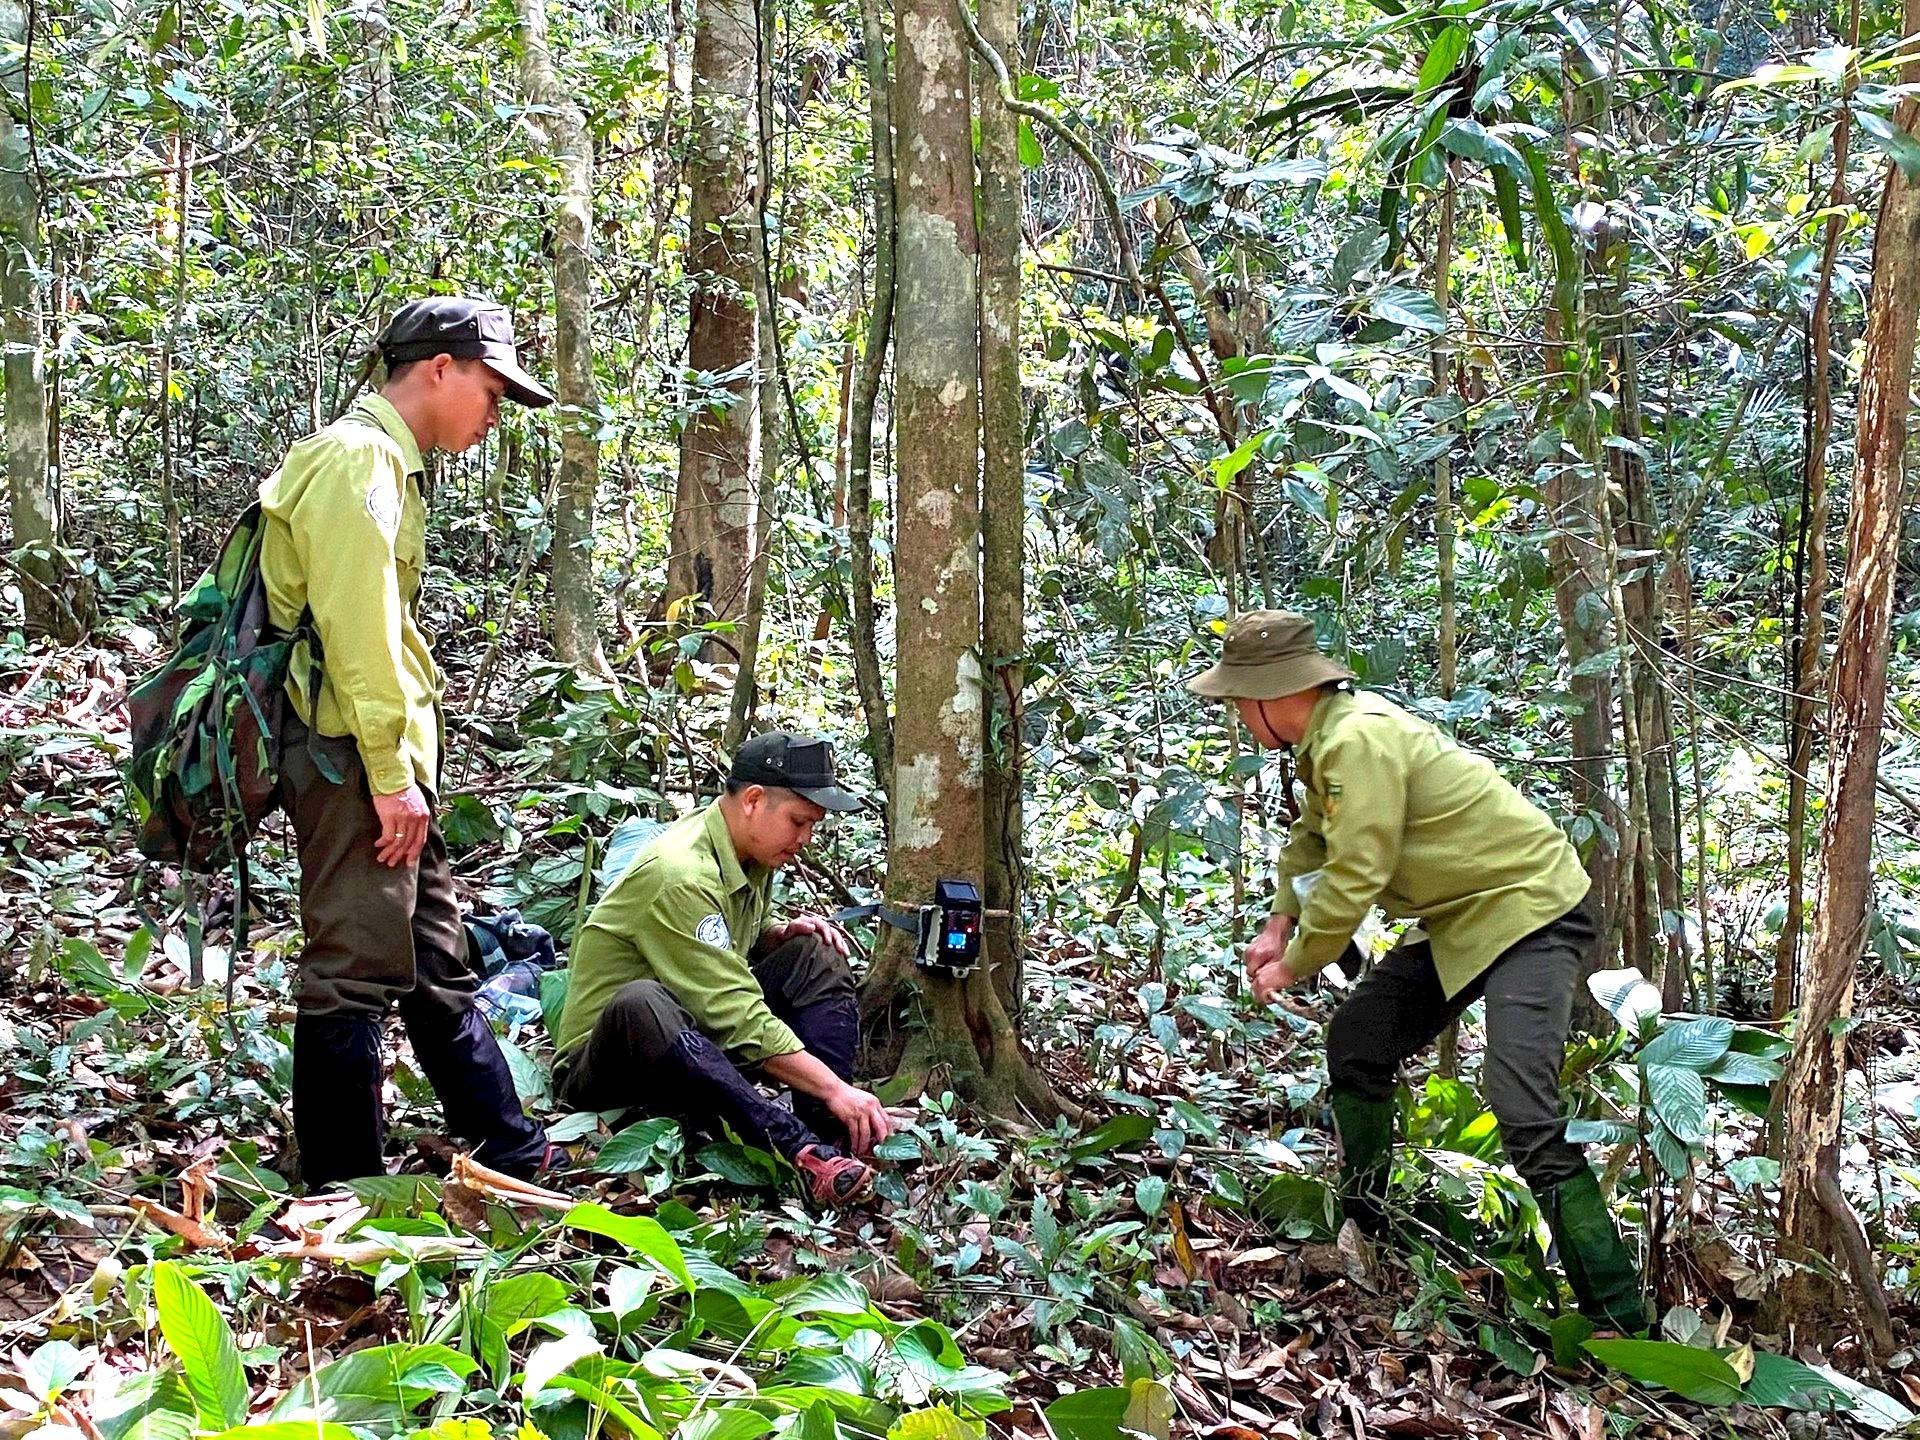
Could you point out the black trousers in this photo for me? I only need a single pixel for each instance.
(380, 937)
(1399, 1008)
(646, 1052)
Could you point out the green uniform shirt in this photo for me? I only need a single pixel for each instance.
(686, 914)
(1399, 815)
(347, 535)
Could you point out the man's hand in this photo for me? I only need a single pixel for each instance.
(1268, 984)
(863, 1115)
(829, 934)
(1269, 945)
(1266, 967)
(404, 822)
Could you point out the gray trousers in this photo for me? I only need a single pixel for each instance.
(1399, 1008)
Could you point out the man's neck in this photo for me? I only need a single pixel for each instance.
(736, 824)
(408, 407)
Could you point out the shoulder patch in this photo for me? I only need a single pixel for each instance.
(713, 931)
(383, 504)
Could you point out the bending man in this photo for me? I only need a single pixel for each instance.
(1396, 814)
(679, 981)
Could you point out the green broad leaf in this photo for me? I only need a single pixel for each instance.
(725, 1423)
(553, 1357)
(817, 1422)
(1441, 59)
(1511, 1351)
(1674, 1155)
(1358, 253)
(1150, 1411)
(1569, 1334)
(1150, 1194)
(1121, 1132)
(1031, 154)
(1900, 146)
(1752, 1171)
(52, 1369)
(1699, 1375)
(1280, 172)
(1692, 1044)
(936, 1423)
(1679, 1099)
(506, 1306)
(1139, 1354)
(1779, 1383)
(1748, 1040)
(1095, 1414)
(153, 1406)
(1506, 200)
(1871, 1407)
(1625, 994)
(199, 1336)
(288, 1430)
(634, 1148)
(1599, 1132)
(601, 1397)
(1733, 1068)
(1226, 467)
(642, 1236)
(1410, 309)
(381, 1385)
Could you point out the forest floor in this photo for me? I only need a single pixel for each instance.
(1181, 1234)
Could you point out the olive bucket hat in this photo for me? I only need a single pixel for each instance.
(1269, 653)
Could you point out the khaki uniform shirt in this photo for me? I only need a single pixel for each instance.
(687, 915)
(1399, 815)
(346, 534)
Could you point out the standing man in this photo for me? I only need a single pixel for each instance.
(346, 545)
(1396, 813)
(679, 981)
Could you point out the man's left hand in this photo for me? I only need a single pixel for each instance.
(828, 933)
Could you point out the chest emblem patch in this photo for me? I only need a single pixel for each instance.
(713, 931)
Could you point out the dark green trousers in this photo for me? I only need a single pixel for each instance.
(1399, 1009)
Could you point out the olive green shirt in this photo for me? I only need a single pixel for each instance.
(1397, 814)
(347, 535)
(687, 914)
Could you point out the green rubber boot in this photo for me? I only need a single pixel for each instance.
(1601, 1269)
(1365, 1128)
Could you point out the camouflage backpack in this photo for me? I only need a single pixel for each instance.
(208, 724)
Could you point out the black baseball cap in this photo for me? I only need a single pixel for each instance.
(800, 763)
(467, 330)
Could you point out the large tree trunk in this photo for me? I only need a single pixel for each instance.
(576, 626)
(969, 1042)
(1003, 507)
(715, 508)
(57, 603)
(1816, 1221)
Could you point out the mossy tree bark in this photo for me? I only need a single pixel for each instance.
(574, 619)
(968, 1042)
(715, 506)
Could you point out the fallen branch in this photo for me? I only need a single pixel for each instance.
(196, 1234)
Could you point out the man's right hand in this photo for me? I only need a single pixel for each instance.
(863, 1115)
(404, 821)
(1269, 945)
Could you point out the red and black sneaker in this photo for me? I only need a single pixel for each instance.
(832, 1179)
